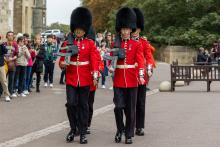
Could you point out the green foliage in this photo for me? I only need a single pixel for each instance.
(192, 23)
(103, 12)
(181, 22)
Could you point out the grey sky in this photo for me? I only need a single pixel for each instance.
(60, 10)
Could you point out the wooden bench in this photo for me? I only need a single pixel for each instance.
(188, 73)
(180, 72)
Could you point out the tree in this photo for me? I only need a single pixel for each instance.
(102, 11)
(181, 22)
(167, 22)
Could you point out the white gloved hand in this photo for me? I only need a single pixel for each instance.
(150, 73)
(141, 81)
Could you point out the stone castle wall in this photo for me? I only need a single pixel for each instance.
(183, 54)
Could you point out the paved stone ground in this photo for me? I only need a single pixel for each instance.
(188, 117)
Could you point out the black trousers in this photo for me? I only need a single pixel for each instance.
(140, 106)
(19, 75)
(77, 107)
(125, 101)
(62, 75)
(91, 102)
(49, 70)
(11, 76)
(38, 77)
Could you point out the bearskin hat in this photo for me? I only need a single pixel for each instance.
(140, 18)
(125, 18)
(91, 34)
(81, 18)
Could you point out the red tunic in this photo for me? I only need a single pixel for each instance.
(147, 56)
(128, 77)
(80, 75)
(101, 68)
(147, 51)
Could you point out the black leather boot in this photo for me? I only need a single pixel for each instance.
(83, 139)
(128, 140)
(140, 132)
(70, 136)
(118, 136)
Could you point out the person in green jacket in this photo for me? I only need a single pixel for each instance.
(50, 60)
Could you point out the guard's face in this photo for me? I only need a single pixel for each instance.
(125, 33)
(136, 33)
(10, 36)
(79, 32)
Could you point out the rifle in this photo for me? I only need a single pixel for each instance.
(71, 49)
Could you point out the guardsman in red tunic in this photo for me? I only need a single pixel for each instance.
(125, 76)
(92, 92)
(78, 73)
(141, 98)
(93, 87)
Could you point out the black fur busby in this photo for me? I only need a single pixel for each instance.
(91, 34)
(140, 18)
(81, 18)
(125, 18)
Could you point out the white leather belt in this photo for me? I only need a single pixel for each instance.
(79, 63)
(125, 66)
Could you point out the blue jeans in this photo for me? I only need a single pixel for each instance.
(103, 78)
(27, 78)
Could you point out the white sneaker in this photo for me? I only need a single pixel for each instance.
(23, 95)
(51, 85)
(7, 99)
(14, 95)
(103, 87)
(26, 92)
(45, 85)
(110, 88)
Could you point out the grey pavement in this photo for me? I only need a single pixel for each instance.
(188, 117)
